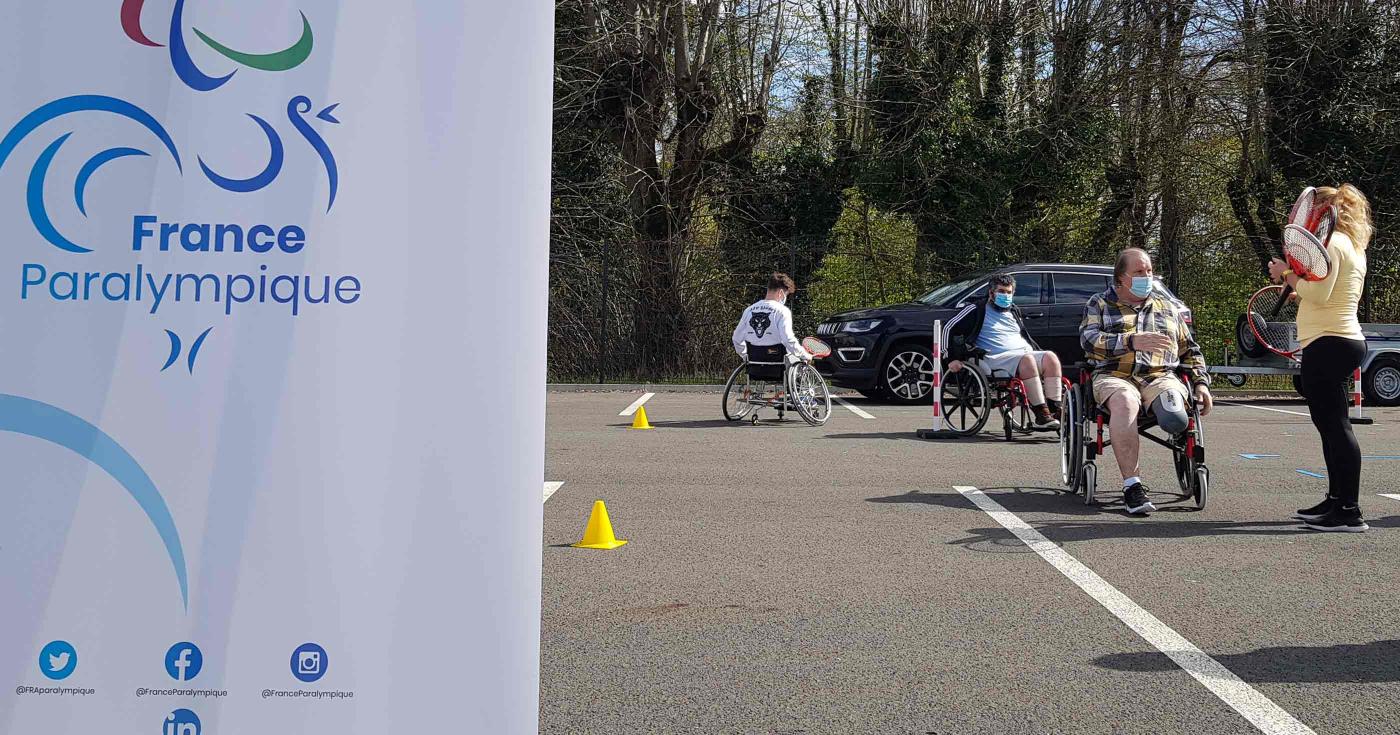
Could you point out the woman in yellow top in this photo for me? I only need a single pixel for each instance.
(1333, 348)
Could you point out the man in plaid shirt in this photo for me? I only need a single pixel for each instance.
(1136, 339)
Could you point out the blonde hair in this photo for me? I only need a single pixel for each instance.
(1353, 211)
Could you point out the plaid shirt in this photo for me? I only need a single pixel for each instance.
(1108, 323)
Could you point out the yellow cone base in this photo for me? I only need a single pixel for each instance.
(599, 533)
(639, 421)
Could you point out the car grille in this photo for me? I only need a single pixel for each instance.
(827, 329)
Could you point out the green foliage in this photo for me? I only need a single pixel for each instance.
(871, 262)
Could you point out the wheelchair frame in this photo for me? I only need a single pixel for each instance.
(803, 390)
(1080, 414)
(970, 391)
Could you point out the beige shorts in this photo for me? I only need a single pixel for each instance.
(1107, 386)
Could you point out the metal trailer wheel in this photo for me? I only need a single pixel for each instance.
(966, 400)
(1381, 381)
(736, 395)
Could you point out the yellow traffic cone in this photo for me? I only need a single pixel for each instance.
(639, 421)
(599, 534)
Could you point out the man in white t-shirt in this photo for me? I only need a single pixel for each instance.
(769, 322)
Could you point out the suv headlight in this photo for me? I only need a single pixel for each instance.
(862, 325)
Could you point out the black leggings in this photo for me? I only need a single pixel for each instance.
(1328, 362)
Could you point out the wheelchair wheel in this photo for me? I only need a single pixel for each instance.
(1015, 413)
(966, 400)
(1071, 440)
(1188, 466)
(809, 394)
(1089, 480)
(737, 391)
(1201, 487)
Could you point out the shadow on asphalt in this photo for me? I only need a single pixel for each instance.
(983, 438)
(1347, 662)
(792, 421)
(1116, 524)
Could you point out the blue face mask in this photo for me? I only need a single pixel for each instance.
(1142, 286)
(1003, 300)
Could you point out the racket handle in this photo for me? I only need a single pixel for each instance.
(1287, 291)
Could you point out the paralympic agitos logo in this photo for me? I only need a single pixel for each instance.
(62, 119)
(190, 73)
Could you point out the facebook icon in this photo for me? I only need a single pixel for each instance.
(183, 661)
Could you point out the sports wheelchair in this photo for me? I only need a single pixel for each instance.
(771, 378)
(971, 394)
(1082, 430)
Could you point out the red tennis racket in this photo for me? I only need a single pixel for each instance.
(1273, 310)
(817, 347)
(1302, 212)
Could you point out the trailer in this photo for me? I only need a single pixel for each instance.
(1380, 370)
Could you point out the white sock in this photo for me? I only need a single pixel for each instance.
(1034, 392)
(1131, 481)
(1053, 388)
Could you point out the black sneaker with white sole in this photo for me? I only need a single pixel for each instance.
(1317, 511)
(1135, 497)
(1345, 520)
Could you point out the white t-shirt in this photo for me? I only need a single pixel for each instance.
(765, 323)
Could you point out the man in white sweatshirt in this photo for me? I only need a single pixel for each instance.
(769, 322)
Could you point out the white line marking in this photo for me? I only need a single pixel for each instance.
(636, 404)
(1255, 707)
(854, 409)
(1263, 408)
(551, 488)
(1392, 496)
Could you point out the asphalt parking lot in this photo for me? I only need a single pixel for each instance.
(852, 578)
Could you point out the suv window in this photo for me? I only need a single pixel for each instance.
(1076, 288)
(1027, 288)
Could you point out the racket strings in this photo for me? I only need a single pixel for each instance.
(1302, 210)
(1305, 253)
(1271, 316)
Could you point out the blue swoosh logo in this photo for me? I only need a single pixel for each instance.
(52, 424)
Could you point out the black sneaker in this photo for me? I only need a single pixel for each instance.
(1341, 519)
(1043, 418)
(1317, 511)
(1135, 497)
(1053, 406)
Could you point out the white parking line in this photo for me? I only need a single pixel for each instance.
(636, 404)
(550, 488)
(853, 409)
(1392, 496)
(1255, 707)
(1263, 408)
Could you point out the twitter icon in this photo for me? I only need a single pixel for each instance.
(58, 660)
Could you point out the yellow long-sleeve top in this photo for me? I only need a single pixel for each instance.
(1327, 308)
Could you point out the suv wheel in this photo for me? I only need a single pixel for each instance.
(907, 375)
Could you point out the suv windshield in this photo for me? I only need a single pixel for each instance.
(943, 294)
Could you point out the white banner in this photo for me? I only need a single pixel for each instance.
(273, 282)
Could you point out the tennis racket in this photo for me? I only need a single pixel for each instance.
(1273, 318)
(1273, 309)
(817, 347)
(1302, 210)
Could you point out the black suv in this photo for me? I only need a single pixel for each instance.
(886, 352)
